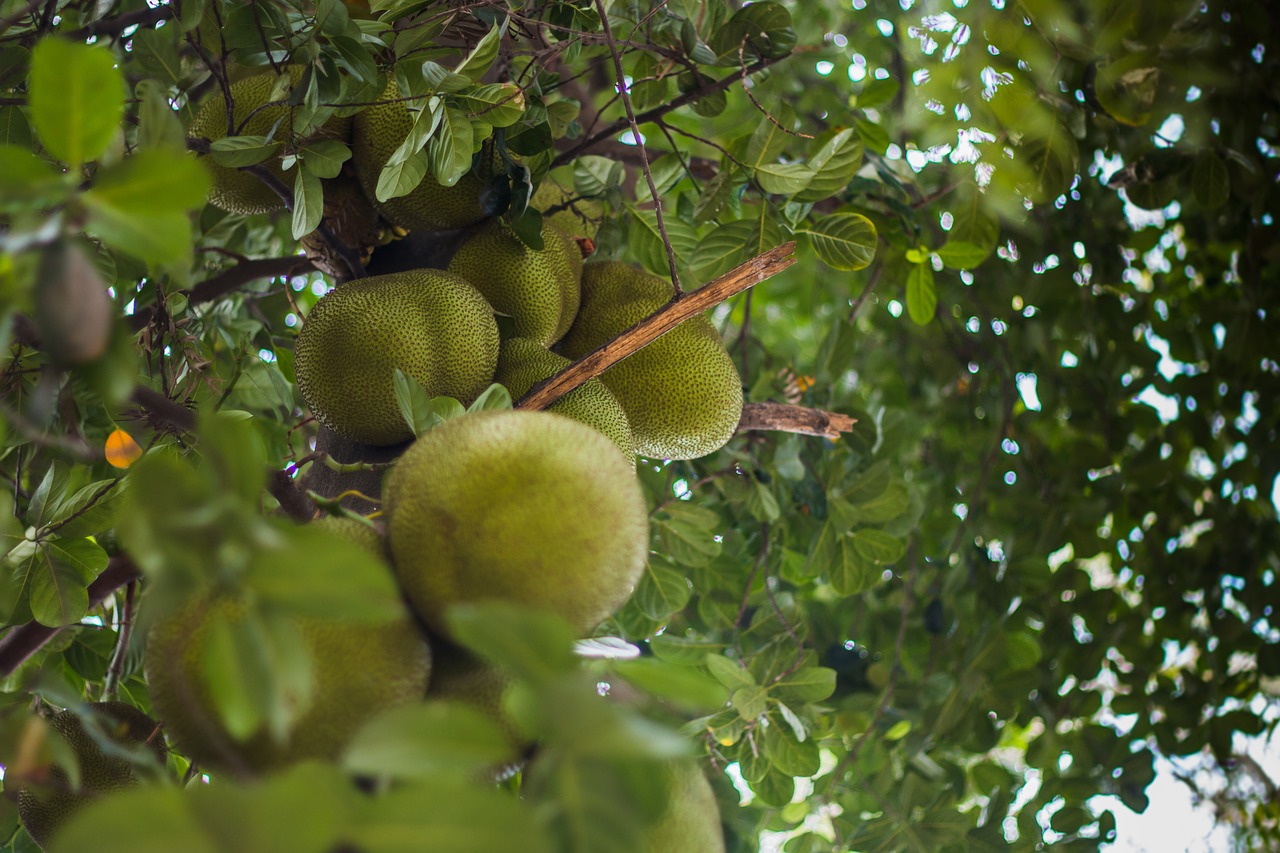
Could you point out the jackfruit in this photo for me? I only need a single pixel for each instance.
(523, 363)
(43, 811)
(691, 822)
(359, 669)
(379, 131)
(682, 393)
(431, 324)
(539, 290)
(567, 210)
(528, 507)
(237, 191)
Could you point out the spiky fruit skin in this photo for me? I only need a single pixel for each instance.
(682, 393)
(539, 289)
(527, 507)
(234, 190)
(691, 822)
(522, 363)
(432, 325)
(44, 811)
(378, 132)
(566, 210)
(359, 670)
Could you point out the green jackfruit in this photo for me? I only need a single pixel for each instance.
(539, 290)
(691, 822)
(527, 507)
(359, 669)
(682, 393)
(43, 811)
(379, 131)
(566, 210)
(431, 324)
(522, 363)
(237, 191)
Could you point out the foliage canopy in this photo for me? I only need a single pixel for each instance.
(1036, 259)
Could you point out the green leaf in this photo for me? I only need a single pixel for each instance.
(534, 645)
(236, 672)
(308, 203)
(414, 403)
(646, 240)
(76, 99)
(877, 547)
(681, 685)
(922, 299)
(158, 124)
(958, 255)
(793, 757)
(811, 684)
(498, 104)
(56, 589)
(151, 181)
(834, 164)
(450, 147)
(310, 571)
(783, 178)
(27, 181)
(150, 820)
(735, 242)
(434, 738)
(14, 128)
(850, 574)
(236, 151)
(750, 702)
(662, 591)
(399, 179)
(770, 139)
(1050, 163)
(426, 121)
(684, 651)
(728, 672)
(246, 817)
(760, 29)
(844, 241)
(494, 397)
(324, 157)
(971, 223)
(441, 79)
(475, 64)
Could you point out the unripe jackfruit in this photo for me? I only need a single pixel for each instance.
(527, 507)
(682, 393)
(237, 191)
(522, 363)
(43, 811)
(359, 669)
(538, 289)
(691, 822)
(566, 210)
(432, 325)
(379, 131)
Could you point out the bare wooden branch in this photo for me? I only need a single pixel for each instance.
(229, 279)
(780, 417)
(648, 330)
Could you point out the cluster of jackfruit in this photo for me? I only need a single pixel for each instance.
(537, 508)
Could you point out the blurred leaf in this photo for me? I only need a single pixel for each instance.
(922, 299)
(685, 687)
(662, 590)
(426, 740)
(149, 820)
(533, 644)
(76, 99)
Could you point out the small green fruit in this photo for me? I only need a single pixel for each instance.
(432, 325)
(527, 507)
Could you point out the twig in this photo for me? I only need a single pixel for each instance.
(648, 330)
(635, 135)
(296, 504)
(25, 640)
(163, 412)
(114, 25)
(780, 417)
(866, 291)
(689, 97)
(229, 280)
(111, 684)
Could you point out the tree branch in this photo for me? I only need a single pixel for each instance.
(680, 308)
(116, 24)
(780, 417)
(25, 640)
(674, 104)
(228, 280)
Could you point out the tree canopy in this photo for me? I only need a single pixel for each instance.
(1028, 246)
